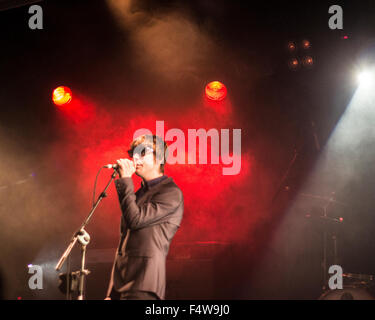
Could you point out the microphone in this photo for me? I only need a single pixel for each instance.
(111, 166)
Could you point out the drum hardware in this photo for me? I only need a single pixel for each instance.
(349, 292)
(329, 228)
(329, 200)
(356, 286)
(361, 279)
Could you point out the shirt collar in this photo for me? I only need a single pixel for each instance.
(153, 182)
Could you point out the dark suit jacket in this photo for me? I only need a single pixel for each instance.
(148, 225)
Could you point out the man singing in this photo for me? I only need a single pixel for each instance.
(150, 219)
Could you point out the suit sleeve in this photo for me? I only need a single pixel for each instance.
(161, 205)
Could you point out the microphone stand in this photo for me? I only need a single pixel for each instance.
(83, 238)
(285, 176)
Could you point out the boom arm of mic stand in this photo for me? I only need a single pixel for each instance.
(76, 234)
(285, 176)
(66, 254)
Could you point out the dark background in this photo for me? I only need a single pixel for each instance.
(243, 237)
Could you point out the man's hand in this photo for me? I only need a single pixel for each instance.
(126, 168)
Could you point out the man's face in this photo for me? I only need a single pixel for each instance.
(144, 162)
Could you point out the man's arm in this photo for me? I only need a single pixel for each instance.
(162, 204)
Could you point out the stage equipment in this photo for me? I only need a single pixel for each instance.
(308, 61)
(293, 64)
(366, 78)
(356, 287)
(292, 46)
(330, 226)
(306, 44)
(62, 96)
(300, 56)
(348, 293)
(83, 238)
(216, 91)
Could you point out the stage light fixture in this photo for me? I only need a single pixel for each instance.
(308, 61)
(291, 46)
(306, 44)
(61, 96)
(216, 91)
(365, 78)
(293, 64)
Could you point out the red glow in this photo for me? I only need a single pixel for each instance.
(293, 63)
(291, 46)
(216, 91)
(61, 96)
(97, 137)
(80, 110)
(308, 61)
(306, 44)
(221, 108)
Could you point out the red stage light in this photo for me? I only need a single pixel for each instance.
(293, 64)
(291, 46)
(216, 91)
(308, 61)
(306, 44)
(61, 96)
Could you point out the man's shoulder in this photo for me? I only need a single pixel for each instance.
(170, 186)
(170, 183)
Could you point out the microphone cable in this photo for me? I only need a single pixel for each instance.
(96, 180)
